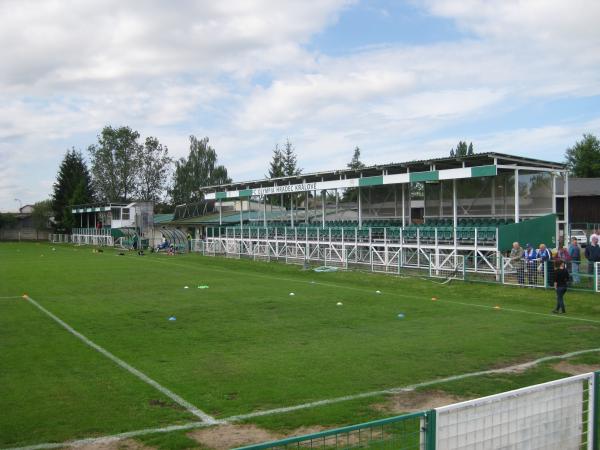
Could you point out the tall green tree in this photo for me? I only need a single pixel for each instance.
(276, 166)
(290, 160)
(72, 175)
(355, 163)
(154, 168)
(115, 164)
(462, 149)
(351, 194)
(583, 158)
(199, 169)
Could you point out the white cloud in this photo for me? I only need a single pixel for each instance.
(171, 69)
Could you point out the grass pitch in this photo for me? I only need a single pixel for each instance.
(244, 344)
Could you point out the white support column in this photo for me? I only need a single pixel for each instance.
(220, 211)
(359, 208)
(454, 206)
(454, 217)
(517, 212)
(554, 210)
(323, 200)
(404, 205)
(566, 208)
(306, 208)
(292, 210)
(265, 211)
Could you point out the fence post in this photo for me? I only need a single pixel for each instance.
(595, 418)
(430, 436)
(546, 267)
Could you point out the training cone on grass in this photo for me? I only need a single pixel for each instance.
(339, 303)
(496, 307)
(401, 316)
(378, 292)
(186, 287)
(292, 294)
(434, 299)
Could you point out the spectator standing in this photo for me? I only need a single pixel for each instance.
(516, 257)
(545, 258)
(530, 260)
(592, 253)
(560, 285)
(575, 255)
(562, 254)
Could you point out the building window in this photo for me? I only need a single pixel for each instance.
(115, 213)
(125, 213)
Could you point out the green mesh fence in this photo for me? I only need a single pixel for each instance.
(407, 432)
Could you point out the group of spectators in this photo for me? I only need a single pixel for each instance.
(529, 262)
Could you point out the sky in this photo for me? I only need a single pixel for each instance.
(402, 80)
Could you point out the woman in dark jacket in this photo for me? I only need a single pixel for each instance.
(561, 279)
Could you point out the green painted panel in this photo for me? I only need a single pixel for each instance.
(371, 181)
(433, 175)
(484, 171)
(532, 231)
(245, 192)
(220, 195)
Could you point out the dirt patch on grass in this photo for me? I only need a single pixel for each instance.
(127, 444)
(575, 369)
(412, 401)
(224, 437)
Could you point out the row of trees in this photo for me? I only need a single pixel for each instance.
(123, 167)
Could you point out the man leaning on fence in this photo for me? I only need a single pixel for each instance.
(516, 259)
(530, 258)
(575, 254)
(592, 253)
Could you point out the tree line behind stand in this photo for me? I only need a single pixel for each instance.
(123, 167)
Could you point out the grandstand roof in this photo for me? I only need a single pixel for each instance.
(479, 159)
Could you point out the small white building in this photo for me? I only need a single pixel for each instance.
(104, 217)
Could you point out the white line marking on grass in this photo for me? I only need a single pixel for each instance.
(142, 376)
(114, 437)
(502, 308)
(192, 425)
(412, 387)
(395, 294)
(11, 297)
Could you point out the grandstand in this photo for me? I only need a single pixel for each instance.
(474, 208)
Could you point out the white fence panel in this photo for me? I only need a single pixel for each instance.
(520, 272)
(549, 416)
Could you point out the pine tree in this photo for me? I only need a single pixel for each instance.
(356, 163)
(290, 160)
(462, 149)
(276, 165)
(73, 175)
